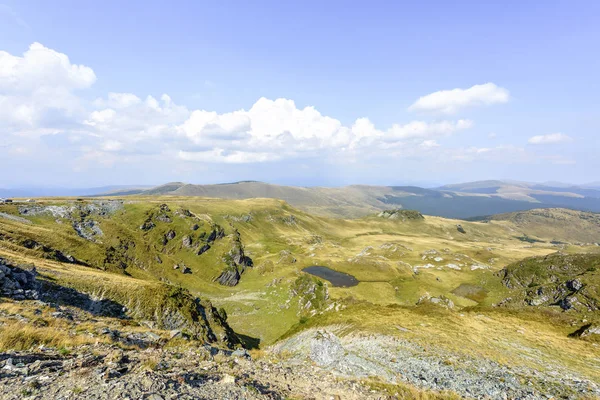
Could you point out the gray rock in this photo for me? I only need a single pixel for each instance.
(186, 241)
(574, 285)
(326, 348)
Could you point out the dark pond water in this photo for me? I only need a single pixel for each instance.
(337, 279)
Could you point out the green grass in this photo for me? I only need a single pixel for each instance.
(261, 305)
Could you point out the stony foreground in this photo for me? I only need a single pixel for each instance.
(107, 372)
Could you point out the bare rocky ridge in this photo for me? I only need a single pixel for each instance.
(395, 360)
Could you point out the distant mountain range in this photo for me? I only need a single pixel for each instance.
(464, 200)
(64, 192)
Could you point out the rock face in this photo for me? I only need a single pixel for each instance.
(567, 281)
(236, 262)
(401, 215)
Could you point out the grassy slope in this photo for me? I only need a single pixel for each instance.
(260, 305)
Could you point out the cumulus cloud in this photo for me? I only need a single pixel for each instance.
(40, 99)
(550, 138)
(455, 100)
(38, 88)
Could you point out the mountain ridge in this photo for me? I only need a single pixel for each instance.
(466, 200)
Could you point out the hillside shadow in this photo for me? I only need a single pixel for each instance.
(65, 296)
(249, 342)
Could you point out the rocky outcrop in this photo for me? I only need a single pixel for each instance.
(116, 257)
(160, 214)
(236, 262)
(47, 252)
(401, 215)
(81, 214)
(311, 293)
(217, 233)
(203, 249)
(18, 283)
(147, 225)
(88, 229)
(441, 301)
(567, 281)
(286, 257)
(179, 310)
(186, 241)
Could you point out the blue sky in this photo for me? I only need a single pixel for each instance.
(525, 107)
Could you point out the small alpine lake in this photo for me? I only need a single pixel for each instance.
(337, 279)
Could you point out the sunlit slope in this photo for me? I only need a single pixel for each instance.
(160, 239)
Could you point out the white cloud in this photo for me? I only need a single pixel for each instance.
(452, 101)
(429, 144)
(39, 99)
(38, 87)
(112, 145)
(550, 138)
(421, 129)
(203, 125)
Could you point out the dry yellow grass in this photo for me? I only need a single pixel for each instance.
(24, 336)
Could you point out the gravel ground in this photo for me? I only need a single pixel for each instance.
(105, 372)
(396, 360)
